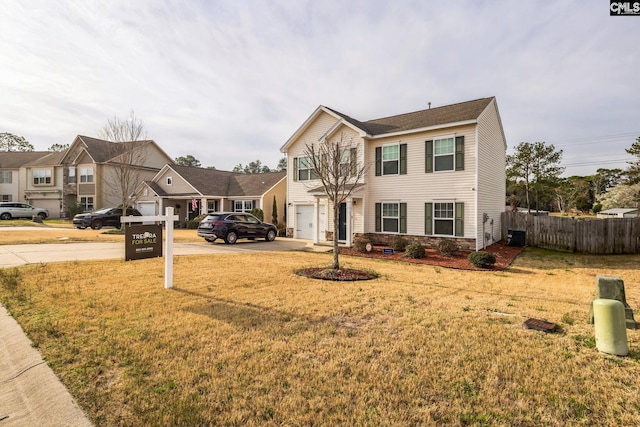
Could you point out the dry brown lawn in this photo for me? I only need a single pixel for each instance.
(47, 234)
(243, 341)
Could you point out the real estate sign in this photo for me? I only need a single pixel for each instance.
(142, 241)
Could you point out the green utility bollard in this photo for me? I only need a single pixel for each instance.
(611, 332)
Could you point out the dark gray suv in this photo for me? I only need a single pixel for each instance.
(232, 226)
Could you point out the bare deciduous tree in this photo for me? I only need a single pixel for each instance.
(335, 164)
(127, 157)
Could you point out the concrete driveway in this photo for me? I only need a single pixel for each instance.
(15, 255)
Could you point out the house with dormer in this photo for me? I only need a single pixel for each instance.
(432, 174)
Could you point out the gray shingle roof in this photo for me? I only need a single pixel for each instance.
(463, 111)
(17, 159)
(102, 151)
(212, 182)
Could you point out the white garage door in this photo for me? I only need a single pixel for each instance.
(147, 208)
(304, 222)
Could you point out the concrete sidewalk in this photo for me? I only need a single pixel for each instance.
(30, 393)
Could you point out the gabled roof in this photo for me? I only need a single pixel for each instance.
(102, 151)
(51, 159)
(468, 111)
(17, 159)
(461, 112)
(213, 182)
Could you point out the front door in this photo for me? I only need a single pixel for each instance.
(342, 222)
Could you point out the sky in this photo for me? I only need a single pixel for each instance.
(229, 82)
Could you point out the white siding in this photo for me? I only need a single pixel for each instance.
(491, 172)
(417, 187)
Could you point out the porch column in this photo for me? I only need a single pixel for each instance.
(203, 206)
(316, 220)
(349, 221)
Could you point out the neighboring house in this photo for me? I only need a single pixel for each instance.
(91, 170)
(13, 179)
(619, 213)
(192, 191)
(433, 174)
(43, 183)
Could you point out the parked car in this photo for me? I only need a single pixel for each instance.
(97, 219)
(10, 210)
(232, 226)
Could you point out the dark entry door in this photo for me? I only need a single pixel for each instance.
(342, 222)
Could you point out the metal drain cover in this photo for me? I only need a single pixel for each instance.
(540, 325)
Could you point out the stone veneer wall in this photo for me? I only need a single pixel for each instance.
(427, 241)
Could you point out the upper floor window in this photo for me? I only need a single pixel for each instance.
(72, 175)
(86, 174)
(169, 180)
(391, 160)
(6, 177)
(444, 154)
(303, 169)
(42, 176)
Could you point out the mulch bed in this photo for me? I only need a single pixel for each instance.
(504, 257)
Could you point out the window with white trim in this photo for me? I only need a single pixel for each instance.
(305, 170)
(390, 160)
(87, 203)
(443, 219)
(169, 180)
(391, 217)
(5, 198)
(243, 205)
(6, 177)
(42, 176)
(72, 175)
(443, 154)
(86, 174)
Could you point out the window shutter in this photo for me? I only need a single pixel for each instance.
(295, 169)
(403, 159)
(353, 161)
(428, 158)
(459, 153)
(428, 219)
(378, 161)
(378, 217)
(403, 217)
(459, 219)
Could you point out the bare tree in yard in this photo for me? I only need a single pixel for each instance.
(336, 165)
(128, 156)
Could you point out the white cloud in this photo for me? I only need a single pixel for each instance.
(229, 82)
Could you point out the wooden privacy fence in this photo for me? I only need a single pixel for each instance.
(592, 236)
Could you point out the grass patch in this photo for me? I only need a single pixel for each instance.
(255, 344)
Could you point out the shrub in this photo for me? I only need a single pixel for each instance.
(360, 244)
(482, 259)
(258, 213)
(74, 210)
(415, 250)
(398, 243)
(448, 247)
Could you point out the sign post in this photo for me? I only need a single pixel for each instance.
(168, 219)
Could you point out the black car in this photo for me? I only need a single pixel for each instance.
(102, 217)
(232, 226)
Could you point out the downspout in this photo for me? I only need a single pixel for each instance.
(476, 190)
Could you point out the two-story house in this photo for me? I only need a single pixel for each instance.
(12, 173)
(432, 174)
(96, 172)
